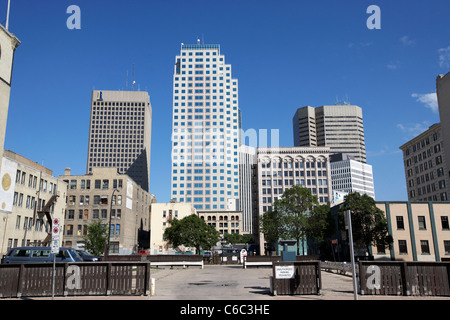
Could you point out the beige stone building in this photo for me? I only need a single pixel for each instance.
(426, 166)
(420, 230)
(339, 127)
(161, 215)
(443, 97)
(226, 222)
(281, 168)
(8, 45)
(106, 195)
(31, 197)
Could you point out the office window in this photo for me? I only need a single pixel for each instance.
(425, 246)
(447, 247)
(444, 222)
(422, 224)
(400, 223)
(402, 247)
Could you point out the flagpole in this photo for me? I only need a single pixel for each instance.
(7, 15)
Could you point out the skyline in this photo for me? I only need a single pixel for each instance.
(390, 73)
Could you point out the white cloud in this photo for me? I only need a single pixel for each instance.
(428, 99)
(444, 57)
(413, 130)
(392, 65)
(406, 41)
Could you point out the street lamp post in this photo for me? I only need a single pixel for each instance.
(108, 240)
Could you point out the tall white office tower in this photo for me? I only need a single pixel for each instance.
(205, 130)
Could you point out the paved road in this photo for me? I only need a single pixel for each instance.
(235, 283)
(230, 282)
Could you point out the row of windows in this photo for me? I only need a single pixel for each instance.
(32, 182)
(296, 165)
(319, 191)
(290, 182)
(98, 200)
(28, 224)
(422, 223)
(421, 144)
(291, 173)
(424, 246)
(100, 105)
(422, 156)
(85, 184)
(82, 230)
(431, 188)
(83, 214)
(30, 202)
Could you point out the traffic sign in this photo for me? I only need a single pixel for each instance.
(55, 235)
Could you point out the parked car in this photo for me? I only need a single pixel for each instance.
(39, 254)
(86, 256)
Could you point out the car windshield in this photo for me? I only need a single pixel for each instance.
(83, 252)
(73, 253)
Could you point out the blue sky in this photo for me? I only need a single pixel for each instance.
(286, 54)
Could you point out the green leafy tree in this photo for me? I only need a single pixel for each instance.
(319, 224)
(191, 231)
(293, 208)
(238, 238)
(95, 239)
(369, 225)
(269, 225)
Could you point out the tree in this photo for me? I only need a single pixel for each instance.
(369, 225)
(95, 239)
(191, 231)
(319, 223)
(238, 238)
(293, 207)
(269, 225)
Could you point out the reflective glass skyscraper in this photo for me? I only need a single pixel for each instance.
(205, 129)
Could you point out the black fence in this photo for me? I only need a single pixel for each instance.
(296, 278)
(73, 279)
(404, 278)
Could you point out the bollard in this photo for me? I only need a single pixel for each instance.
(152, 288)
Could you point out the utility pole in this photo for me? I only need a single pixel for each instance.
(348, 220)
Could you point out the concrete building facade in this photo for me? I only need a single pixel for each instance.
(420, 230)
(34, 198)
(281, 168)
(426, 166)
(120, 133)
(348, 175)
(225, 222)
(8, 45)
(339, 127)
(107, 196)
(248, 188)
(161, 216)
(443, 97)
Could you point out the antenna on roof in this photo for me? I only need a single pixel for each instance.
(198, 41)
(132, 80)
(7, 15)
